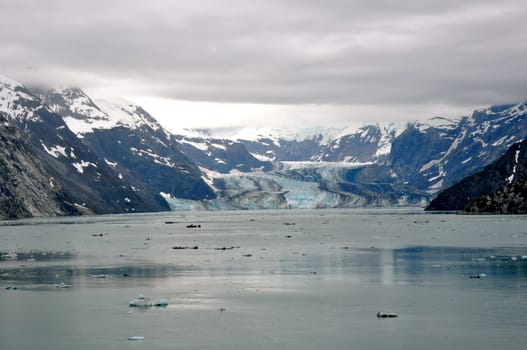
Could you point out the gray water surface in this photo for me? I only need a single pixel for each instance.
(265, 280)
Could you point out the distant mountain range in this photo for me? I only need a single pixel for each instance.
(84, 156)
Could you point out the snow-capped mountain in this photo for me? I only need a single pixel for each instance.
(84, 116)
(367, 144)
(436, 155)
(88, 182)
(131, 142)
(220, 155)
(107, 158)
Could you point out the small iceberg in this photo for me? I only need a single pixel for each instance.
(136, 337)
(9, 256)
(382, 314)
(63, 285)
(142, 301)
(160, 303)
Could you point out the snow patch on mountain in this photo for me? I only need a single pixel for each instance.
(516, 157)
(8, 82)
(438, 123)
(308, 164)
(166, 161)
(80, 166)
(202, 146)
(55, 151)
(84, 115)
(127, 115)
(324, 135)
(112, 164)
(13, 100)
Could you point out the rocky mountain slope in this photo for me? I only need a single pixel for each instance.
(84, 167)
(220, 155)
(131, 142)
(501, 187)
(26, 188)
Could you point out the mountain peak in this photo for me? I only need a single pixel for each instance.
(8, 82)
(15, 101)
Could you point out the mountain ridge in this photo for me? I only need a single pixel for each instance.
(115, 157)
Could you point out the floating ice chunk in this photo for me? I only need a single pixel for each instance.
(161, 302)
(136, 337)
(140, 301)
(63, 285)
(9, 256)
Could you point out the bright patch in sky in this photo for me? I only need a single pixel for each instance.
(178, 114)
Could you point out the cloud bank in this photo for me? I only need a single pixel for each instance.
(391, 58)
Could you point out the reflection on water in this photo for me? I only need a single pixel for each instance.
(414, 264)
(425, 261)
(36, 255)
(46, 275)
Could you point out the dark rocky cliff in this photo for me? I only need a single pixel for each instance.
(26, 188)
(501, 187)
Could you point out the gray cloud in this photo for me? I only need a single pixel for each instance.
(338, 52)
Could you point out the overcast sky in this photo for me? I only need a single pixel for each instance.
(274, 62)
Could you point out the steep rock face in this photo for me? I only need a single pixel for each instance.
(132, 143)
(89, 182)
(26, 189)
(511, 199)
(498, 188)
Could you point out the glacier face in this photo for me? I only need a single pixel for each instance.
(318, 186)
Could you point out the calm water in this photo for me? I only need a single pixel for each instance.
(265, 280)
